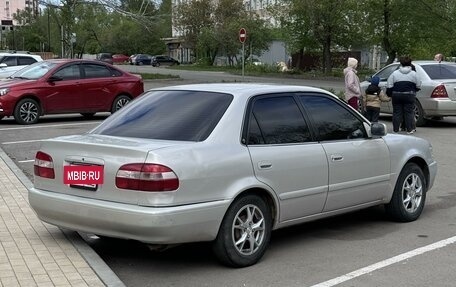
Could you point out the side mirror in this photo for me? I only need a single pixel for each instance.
(54, 79)
(3, 65)
(378, 129)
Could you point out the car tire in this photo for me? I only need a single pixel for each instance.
(140, 63)
(248, 221)
(87, 115)
(409, 195)
(27, 112)
(119, 102)
(157, 64)
(420, 120)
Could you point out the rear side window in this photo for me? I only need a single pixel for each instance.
(277, 120)
(168, 115)
(21, 61)
(96, 71)
(440, 71)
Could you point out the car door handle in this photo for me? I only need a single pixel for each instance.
(264, 165)
(336, 157)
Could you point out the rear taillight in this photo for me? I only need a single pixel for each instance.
(44, 166)
(146, 177)
(439, 92)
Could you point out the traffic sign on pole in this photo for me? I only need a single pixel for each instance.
(242, 35)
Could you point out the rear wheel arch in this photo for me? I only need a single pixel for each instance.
(245, 231)
(117, 99)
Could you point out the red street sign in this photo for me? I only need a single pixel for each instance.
(242, 35)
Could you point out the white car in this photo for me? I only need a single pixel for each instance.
(227, 163)
(13, 62)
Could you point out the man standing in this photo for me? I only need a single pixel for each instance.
(352, 87)
(438, 57)
(402, 86)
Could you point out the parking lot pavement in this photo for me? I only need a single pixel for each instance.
(33, 253)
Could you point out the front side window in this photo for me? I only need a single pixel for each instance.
(331, 120)
(70, 72)
(277, 120)
(96, 71)
(10, 61)
(168, 115)
(386, 72)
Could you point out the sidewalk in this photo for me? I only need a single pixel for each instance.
(33, 253)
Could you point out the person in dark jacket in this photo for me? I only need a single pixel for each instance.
(401, 87)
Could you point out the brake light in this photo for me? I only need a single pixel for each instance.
(439, 92)
(146, 177)
(44, 166)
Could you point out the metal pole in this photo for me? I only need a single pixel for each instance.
(243, 49)
(49, 31)
(63, 47)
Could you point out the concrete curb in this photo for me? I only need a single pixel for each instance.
(106, 275)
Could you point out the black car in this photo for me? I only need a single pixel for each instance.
(157, 61)
(141, 59)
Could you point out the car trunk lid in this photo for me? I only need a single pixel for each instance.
(96, 150)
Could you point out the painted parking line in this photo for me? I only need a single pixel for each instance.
(26, 161)
(387, 262)
(49, 126)
(19, 142)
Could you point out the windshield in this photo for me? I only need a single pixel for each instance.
(168, 115)
(34, 71)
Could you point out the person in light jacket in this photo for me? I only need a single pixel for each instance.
(402, 86)
(373, 98)
(352, 87)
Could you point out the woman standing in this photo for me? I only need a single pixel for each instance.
(352, 88)
(402, 86)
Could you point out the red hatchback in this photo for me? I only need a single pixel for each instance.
(66, 86)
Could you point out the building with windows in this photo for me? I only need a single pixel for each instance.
(9, 7)
(177, 48)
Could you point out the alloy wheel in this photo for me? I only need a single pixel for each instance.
(248, 230)
(28, 112)
(412, 192)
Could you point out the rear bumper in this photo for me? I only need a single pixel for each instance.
(155, 225)
(438, 107)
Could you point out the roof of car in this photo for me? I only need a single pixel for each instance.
(20, 54)
(242, 89)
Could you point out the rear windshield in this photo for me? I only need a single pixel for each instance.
(440, 71)
(168, 115)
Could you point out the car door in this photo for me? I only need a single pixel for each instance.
(99, 86)
(11, 66)
(66, 93)
(285, 157)
(359, 166)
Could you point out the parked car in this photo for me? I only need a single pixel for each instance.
(120, 58)
(141, 59)
(158, 61)
(228, 163)
(66, 86)
(105, 57)
(437, 97)
(13, 62)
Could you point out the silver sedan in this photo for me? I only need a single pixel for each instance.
(437, 97)
(227, 163)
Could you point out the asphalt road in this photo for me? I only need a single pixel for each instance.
(358, 249)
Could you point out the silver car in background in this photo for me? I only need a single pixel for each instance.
(437, 97)
(229, 163)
